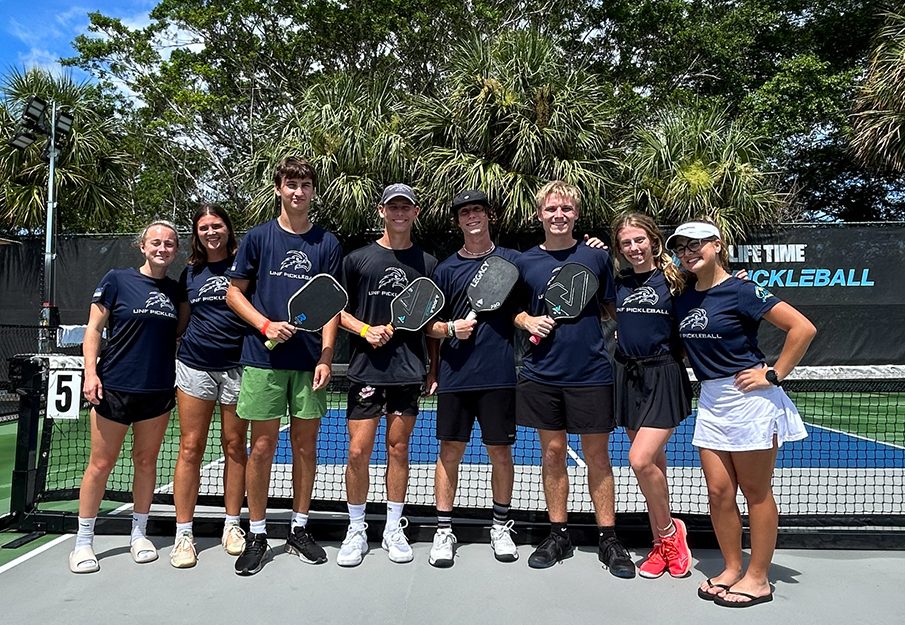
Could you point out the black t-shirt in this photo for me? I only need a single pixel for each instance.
(646, 315)
(485, 360)
(213, 338)
(374, 276)
(719, 326)
(140, 355)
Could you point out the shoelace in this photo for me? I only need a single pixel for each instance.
(184, 543)
(614, 549)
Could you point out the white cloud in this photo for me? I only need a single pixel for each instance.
(42, 59)
(33, 35)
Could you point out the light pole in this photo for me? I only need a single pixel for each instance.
(56, 126)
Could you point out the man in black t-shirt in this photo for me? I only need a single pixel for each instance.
(386, 370)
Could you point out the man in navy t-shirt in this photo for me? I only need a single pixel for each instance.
(386, 370)
(566, 383)
(274, 260)
(476, 381)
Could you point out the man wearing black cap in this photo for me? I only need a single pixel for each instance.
(476, 381)
(386, 370)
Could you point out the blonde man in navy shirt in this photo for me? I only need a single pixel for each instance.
(274, 260)
(566, 383)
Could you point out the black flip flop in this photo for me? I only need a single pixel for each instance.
(752, 600)
(708, 596)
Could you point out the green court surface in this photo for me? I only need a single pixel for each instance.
(875, 416)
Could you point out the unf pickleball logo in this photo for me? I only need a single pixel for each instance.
(643, 295)
(696, 319)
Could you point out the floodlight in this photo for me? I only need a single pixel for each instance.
(63, 124)
(22, 139)
(33, 112)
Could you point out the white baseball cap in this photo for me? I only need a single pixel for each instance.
(693, 230)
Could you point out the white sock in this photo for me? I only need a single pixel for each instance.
(394, 513)
(183, 527)
(298, 520)
(356, 516)
(231, 520)
(139, 526)
(85, 536)
(258, 527)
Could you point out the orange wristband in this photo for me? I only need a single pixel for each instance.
(264, 327)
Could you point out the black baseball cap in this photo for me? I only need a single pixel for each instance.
(471, 196)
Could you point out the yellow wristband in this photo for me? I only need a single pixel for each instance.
(364, 330)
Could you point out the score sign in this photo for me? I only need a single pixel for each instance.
(64, 393)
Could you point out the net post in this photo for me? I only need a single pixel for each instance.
(27, 377)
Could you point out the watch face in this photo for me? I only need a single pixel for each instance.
(771, 377)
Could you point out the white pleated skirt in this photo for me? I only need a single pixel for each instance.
(730, 420)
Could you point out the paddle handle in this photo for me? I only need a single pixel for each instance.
(270, 343)
(390, 326)
(471, 316)
(535, 338)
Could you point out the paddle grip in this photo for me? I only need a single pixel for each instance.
(270, 343)
(535, 338)
(390, 326)
(471, 316)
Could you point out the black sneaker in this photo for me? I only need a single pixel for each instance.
(552, 550)
(252, 559)
(614, 557)
(300, 543)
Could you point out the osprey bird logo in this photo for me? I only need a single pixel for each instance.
(214, 284)
(160, 300)
(394, 278)
(643, 295)
(296, 260)
(696, 319)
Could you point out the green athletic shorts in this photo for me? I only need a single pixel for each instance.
(268, 393)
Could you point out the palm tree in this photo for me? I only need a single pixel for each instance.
(878, 136)
(511, 115)
(696, 161)
(94, 171)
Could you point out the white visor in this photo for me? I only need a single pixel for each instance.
(693, 230)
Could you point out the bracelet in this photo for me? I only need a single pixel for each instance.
(264, 327)
(364, 330)
(450, 329)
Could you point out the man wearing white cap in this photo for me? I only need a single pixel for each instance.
(386, 370)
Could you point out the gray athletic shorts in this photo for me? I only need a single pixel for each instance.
(222, 386)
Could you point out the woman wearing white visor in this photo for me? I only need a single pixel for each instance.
(743, 414)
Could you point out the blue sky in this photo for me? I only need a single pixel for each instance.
(39, 32)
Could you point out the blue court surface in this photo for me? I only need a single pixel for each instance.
(823, 449)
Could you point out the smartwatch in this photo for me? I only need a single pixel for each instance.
(772, 379)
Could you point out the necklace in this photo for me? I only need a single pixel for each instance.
(485, 252)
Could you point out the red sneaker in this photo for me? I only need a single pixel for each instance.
(655, 565)
(675, 550)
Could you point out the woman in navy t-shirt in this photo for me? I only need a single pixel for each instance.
(743, 414)
(653, 394)
(130, 385)
(208, 373)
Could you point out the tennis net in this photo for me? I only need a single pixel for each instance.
(850, 471)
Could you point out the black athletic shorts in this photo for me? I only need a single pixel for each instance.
(368, 401)
(651, 392)
(575, 409)
(128, 408)
(494, 409)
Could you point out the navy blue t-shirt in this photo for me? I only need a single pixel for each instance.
(485, 360)
(719, 326)
(574, 354)
(213, 338)
(645, 315)
(140, 355)
(373, 276)
(277, 263)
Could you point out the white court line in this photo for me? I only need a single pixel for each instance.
(578, 459)
(31, 554)
(863, 438)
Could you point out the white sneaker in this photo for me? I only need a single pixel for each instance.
(233, 539)
(183, 555)
(443, 553)
(354, 547)
(504, 548)
(397, 545)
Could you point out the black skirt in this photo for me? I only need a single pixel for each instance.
(652, 392)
